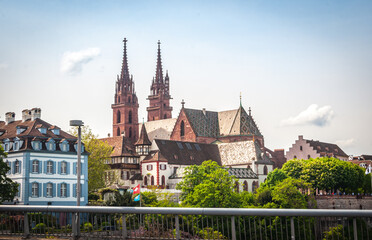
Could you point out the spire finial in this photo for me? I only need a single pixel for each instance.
(183, 103)
(249, 111)
(240, 98)
(143, 120)
(124, 68)
(159, 67)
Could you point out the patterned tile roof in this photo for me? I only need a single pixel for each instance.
(159, 129)
(204, 123)
(144, 138)
(245, 173)
(122, 146)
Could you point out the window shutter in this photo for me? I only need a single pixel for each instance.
(13, 168)
(74, 168)
(59, 167)
(54, 190)
(54, 167)
(67, 168)
(74, 190)
(81, 168)
(67, 190)
(59, 190)
(44, 189)
(20, 167)
(30, 190)
(39, 168)
(45, 166)
(39, 189)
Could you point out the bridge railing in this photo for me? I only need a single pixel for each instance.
(183, 223)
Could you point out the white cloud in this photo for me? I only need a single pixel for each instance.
(72, 62)
(313, 115)
(3, 66)
(346, 143)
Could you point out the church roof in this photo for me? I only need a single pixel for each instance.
(187, 153)
(160, 129)
(329, 148)
(240, 153)
(242, 173)
(219, 124)
(121, 145)
(144, 138)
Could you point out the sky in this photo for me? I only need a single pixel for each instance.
(304, 67)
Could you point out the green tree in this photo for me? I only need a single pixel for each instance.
(99, 151)
(8, 188)
(208, 185)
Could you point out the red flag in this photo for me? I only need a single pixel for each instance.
(136, 189)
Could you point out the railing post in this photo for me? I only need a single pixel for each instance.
(177, 228)
(233, 232)
(355, 229)
(292, 229)
(124, 226)
(75, 225)
(26, 226)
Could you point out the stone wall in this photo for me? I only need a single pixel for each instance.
(344, 202)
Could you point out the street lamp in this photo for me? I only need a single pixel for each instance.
(79, 124)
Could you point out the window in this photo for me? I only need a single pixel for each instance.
(55, 131)
(49, 190)
(128, 99)
(16, 146)
(163, 166)
(245, 186)
(197, 147)
(51, 145)
(163, 180)
(9, 166)
(42, 130)
(17, 168)
(182, 131)
(49, 167)
(175, 169)
(188, 145)
(308, 156)
(300, 148)
(63, 190)
(118, 116)
(265, 170)
(118, 132)
(64, 146)
(145, 180)
(152, 181)
(36, 145)
(63, 167)
(130, 117)
(128, 175)
(35, 190)
(180, 146)
(165, 116)
(130, 132)
(254, 186)
(35, 166)
(18, 194)
(237, 186)
(149, 167)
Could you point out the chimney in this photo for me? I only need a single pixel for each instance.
(26, 115)
(204, 111)
(9, 117)
(300, 137)
(35, 113)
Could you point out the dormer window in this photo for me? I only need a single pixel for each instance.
(36, 145)
(55, 130)
(6, 145)
(42, 130)
(50, 145)
(2, 131)
(82, 147)
(21, 129)
(17, 144)
(64, 146)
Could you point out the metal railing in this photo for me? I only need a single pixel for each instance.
(183, 223)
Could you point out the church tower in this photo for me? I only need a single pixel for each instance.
(159, 97)
(125, 107)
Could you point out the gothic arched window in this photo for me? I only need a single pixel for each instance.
(182, 132)
(130, 132)
(145, 180)
(118, 115)
(118, 132)
(130, 117)
(265, 170)
(165, 116)
(152, 181)
(237, 186)
(128, 99)
(163, 180)
(245, 186)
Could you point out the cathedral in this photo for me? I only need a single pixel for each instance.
(156, 152)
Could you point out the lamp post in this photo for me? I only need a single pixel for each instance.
(79, 124)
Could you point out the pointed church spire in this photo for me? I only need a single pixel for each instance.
(124, 68)
(144, 138)
(159, 67)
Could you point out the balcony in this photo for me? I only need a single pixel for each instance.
(182, 223)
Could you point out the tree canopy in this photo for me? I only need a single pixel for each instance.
(327, 173)
(208, 185)
(8, 188)
(98, 151)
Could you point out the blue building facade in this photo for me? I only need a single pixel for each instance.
(43, 161)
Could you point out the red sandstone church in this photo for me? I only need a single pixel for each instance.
(158, 154)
